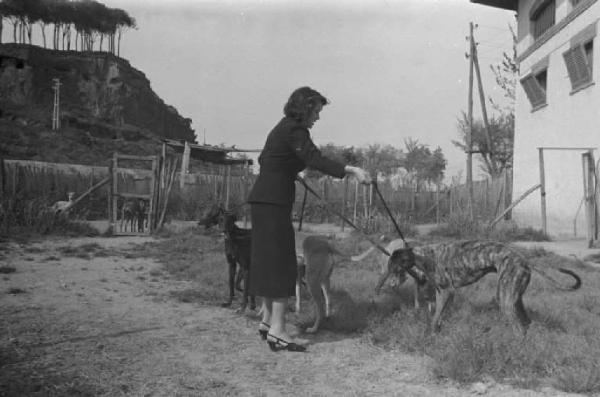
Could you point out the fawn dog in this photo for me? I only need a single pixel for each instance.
(237, 251)
(314, 268)
(449, 266)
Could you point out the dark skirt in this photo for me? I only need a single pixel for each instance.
(273, 265)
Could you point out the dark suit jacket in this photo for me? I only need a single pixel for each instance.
(288, 150)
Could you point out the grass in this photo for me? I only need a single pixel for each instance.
(459, 225)
(5, 269)
(191, 255)
(475, 343)
(85, 251)
(30, 217)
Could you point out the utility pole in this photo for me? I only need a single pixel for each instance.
(470, 116)
(56, 108)
(483, 108)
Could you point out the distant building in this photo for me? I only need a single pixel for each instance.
(557, 107)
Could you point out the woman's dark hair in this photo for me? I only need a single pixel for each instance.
(301, 102)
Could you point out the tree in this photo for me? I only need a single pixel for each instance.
(381, 160)
(12, 11)
(425, 166)
(123, 21)
(90, 19)
(505, 74)
(502, 130)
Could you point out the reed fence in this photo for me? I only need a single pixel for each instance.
(47, 183)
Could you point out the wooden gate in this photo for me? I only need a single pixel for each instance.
(132, 198)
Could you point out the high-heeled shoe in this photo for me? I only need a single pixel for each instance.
(277, 344)
(263, 332)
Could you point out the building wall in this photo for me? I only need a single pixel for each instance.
(568, 120)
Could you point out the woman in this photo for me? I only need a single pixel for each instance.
(287, 151)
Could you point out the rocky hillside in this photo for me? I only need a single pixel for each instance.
(106, 105)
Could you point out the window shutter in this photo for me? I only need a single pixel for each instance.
(577, 66)
(571, 67)
(535, 93)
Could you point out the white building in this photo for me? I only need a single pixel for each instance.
(557, 109)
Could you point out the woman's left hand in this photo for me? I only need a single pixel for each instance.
(360, 174)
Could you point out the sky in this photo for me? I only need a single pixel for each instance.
(392, 70)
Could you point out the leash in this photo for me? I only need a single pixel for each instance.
(302, 210)
(349, 222)
(340, 215)
(389, 212)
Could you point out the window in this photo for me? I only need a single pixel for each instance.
(534, 85)
(542, 16)
(579, 58)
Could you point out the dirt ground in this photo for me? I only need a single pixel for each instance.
(110, 326)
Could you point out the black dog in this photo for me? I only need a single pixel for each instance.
(211, 216)
(237, 250)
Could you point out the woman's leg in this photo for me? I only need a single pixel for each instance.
(279, 306)
(278, 338)
(266, 310)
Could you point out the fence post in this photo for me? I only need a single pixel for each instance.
(507, 192)
(2, 177)
(486, 198)
(437, 208)
(227, 183)
(14, 180)
(355, 200)
(543, 190)
(185, 161)
(344, 200)
(588, 194)
(451, 201)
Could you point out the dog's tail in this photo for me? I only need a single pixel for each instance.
(352, 258)
(557, 284)
(360, 257)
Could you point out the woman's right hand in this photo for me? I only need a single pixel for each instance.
(361, 175)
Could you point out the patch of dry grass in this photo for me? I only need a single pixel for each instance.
(475, 340)
(6, 269)
(191, 255)
(459, 225)
(561, 348)
(87, 251)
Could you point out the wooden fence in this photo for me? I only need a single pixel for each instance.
(50, 182)
(359, 203)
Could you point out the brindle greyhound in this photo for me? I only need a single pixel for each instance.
(400, 275)
(450, 266)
